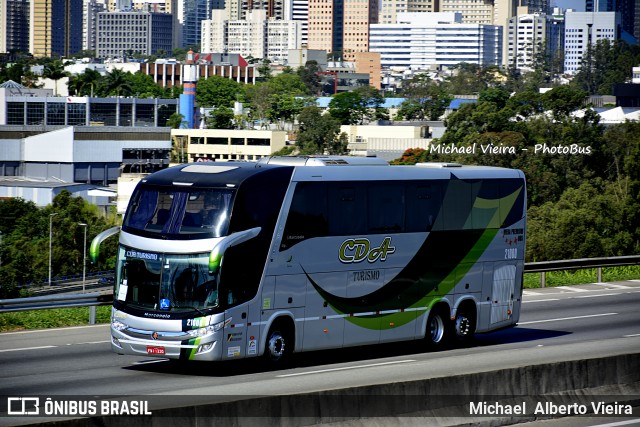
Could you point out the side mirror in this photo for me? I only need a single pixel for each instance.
(94, 250)
(217, 253)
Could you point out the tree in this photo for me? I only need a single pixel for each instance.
(217, 91)
(310, 77)
(85, 84)
(349, 108)
(176, 121)
(319, 133)
(54, 71)
(426, 99)
(25, 231)
(221, 118)
(117, 82)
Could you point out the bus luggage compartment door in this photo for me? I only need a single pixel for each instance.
(503, 293)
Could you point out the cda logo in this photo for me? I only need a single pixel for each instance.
(358, 250)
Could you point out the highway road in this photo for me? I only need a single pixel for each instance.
(556, 324)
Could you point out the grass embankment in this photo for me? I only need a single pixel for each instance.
(56, 318)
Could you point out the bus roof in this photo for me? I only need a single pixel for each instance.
(323, 161)
(305, 168)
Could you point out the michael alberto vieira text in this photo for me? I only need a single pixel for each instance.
(550, 408)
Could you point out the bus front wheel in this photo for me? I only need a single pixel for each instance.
(279, 345)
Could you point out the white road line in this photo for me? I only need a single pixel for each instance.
(531, 293)
(28, 348)
(631, 336)
(634, 280)
(595, 296)
(619, 423)
(541, 300)
(571, 289)
(567, 318)
(344, 369)
(611, 285)
(33, 331)
(52, 346)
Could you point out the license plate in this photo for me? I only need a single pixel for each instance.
(155, 350)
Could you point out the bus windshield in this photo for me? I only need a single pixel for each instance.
(179, 212)
(165, 282)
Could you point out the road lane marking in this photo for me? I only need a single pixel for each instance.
(619, 423)
(51, 346)
(571, 289)
(541, 300)
(33, 331)
(612, 285)
(631, 336)
(567, 318)
(28, 348)
(344, 368)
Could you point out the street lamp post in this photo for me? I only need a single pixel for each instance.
(50, 238)
(84, 256)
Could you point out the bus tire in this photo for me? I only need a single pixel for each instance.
(438, 329)
(279, 345)
(464, 324)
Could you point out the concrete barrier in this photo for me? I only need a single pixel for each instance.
(444, 401)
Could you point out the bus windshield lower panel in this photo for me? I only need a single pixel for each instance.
(165, 282)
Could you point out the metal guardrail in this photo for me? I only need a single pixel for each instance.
(105, 298)
(58, 301)
(543, 267)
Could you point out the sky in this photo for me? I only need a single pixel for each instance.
(578, 5)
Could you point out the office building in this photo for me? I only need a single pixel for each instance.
(582, 32)
(124, 33)
(423, 41)
(14, 25)
(55, 28)
(256, 36)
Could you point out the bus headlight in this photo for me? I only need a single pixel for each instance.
(201, 332)
(209, 329)
(118, 326)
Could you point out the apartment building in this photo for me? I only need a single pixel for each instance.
(583, 30)
(123, 33)
(422, 41)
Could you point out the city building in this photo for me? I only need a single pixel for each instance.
(55, 28)
(359, 15)
(299, 57)
(91, 9)
(369, 63)
(231, 66)
(424, 41)
(390, 8)
(526, 37)
(326, 25)
(14, 25)
(20, 106)
(298, 10)
(582, 32)
(257, 36)
(121, 34)
(223, 145)
(629, 14)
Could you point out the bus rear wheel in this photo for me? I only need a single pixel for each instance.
(279, 345)
(438, 329)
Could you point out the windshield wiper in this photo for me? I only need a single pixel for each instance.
(191, 307)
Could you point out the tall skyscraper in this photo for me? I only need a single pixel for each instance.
(629, 13)
(325, 25)
(55, 28)
(358, 15)
(14, 25)
(583, 30)
(389, 9)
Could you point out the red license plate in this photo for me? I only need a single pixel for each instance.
(155, 350)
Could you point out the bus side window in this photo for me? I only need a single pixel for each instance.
(308, 214)
(347, 209)
(423, 206)
(385, 202)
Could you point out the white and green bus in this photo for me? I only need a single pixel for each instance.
(220, 261)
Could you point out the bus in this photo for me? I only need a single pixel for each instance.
(221, 261)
